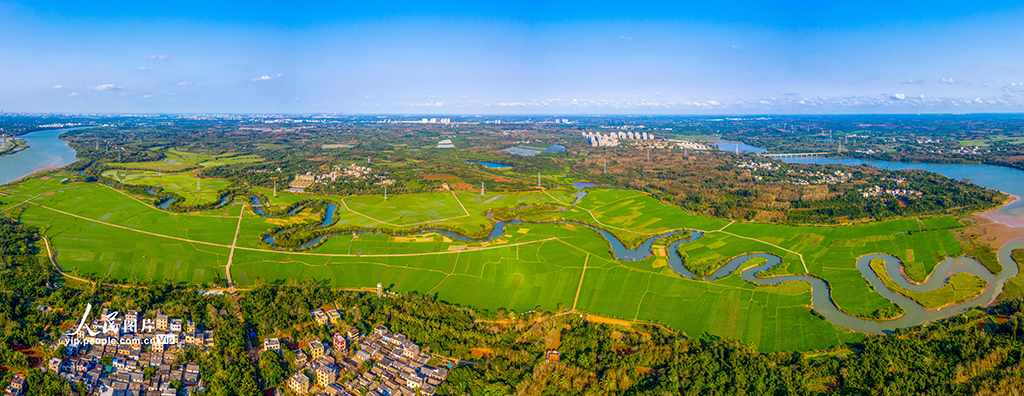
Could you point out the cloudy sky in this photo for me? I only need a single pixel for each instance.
(505, 57)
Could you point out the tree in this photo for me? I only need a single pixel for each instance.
(272, 369)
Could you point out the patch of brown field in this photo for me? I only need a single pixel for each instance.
(481, 353)
(462, 186)
(501, 179)
(607, 320)
(35, 356)
(643, 370)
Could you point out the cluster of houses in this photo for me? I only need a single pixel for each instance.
(112, 355)
(805, 177)
(753, 166)
(384, 364)
(877, 191)
(351, 173)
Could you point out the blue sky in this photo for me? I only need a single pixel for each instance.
(506, 57)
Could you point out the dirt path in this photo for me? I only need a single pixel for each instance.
(234, 243)
(580, 286)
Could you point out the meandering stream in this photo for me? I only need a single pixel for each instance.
(821, 292)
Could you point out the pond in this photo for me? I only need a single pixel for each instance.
(491, 165)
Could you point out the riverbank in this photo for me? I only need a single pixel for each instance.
(45, 151)
(14, 146)
(34, 174)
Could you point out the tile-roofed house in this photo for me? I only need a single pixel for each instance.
(334, 390)
(411, 350)
(190, 378)
(272, 344)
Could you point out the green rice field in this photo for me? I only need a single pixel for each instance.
(97, 230)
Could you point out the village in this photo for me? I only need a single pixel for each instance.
(382, 363)
(134, 354)
(350, 173)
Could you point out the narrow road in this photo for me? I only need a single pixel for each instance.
(234, 243)
(580, 286)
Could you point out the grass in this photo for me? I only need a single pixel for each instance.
(531, 265)
(181, 160)
(1014, 287)
(183, 184)
(959, 288)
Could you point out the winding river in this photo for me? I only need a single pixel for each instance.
(47, 151)
(821, 292)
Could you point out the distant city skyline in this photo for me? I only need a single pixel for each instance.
(739, 57)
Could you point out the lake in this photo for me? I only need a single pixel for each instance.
(492, 165)
(45, 151)
(738, 146)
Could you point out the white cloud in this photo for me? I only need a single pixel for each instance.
(262, 78)
(909, 81)
(899, 96)
(159, 57)
(148, 96)
(184, 83)
(106, 87)
(58, 87)
(279, 74)
(73, 94)
(427, 104)
(142, 69)
(950, 81)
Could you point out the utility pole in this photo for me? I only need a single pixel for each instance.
(199, 183)
(481, 189)
(605, 167)
(385, 192)
(648, 154)
(538, 179)
(275, 187)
